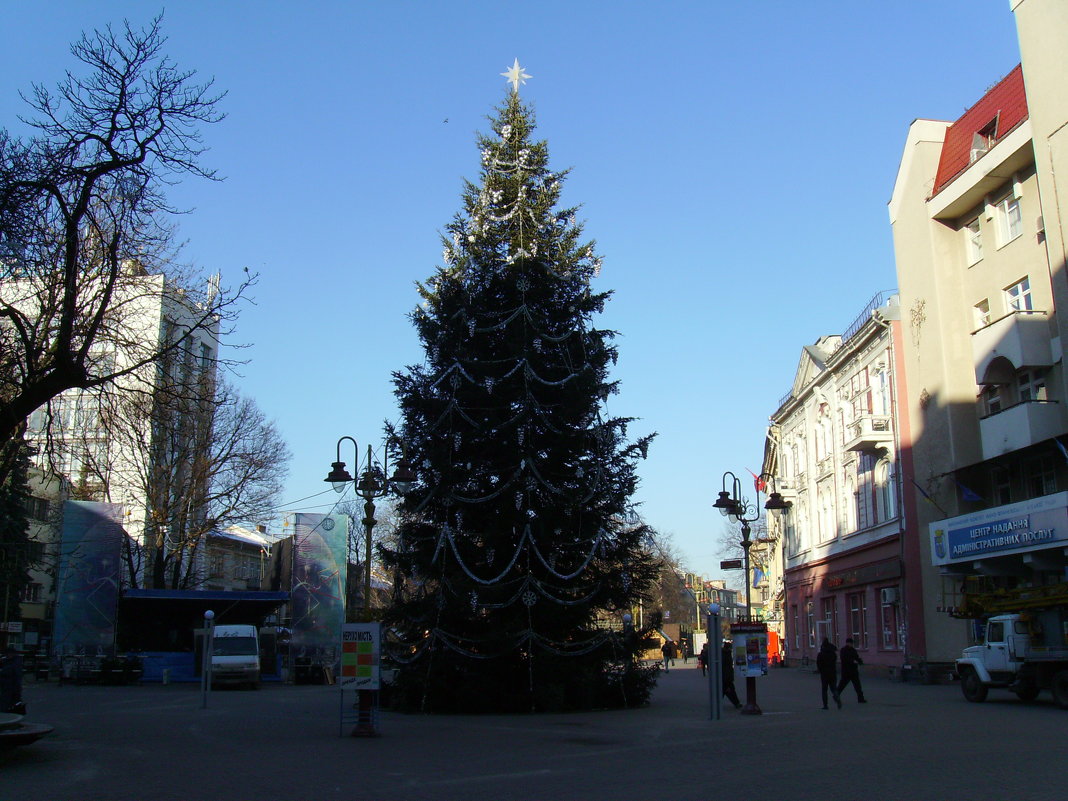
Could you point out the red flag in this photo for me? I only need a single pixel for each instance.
(758, 482)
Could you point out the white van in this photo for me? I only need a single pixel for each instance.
(235, 655)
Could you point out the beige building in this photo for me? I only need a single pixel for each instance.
(237, 559)
(836, 563)
(977, 228)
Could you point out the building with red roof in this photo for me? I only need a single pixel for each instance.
(977, 224)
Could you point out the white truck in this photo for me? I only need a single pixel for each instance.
(235, 655)
(1022, 652)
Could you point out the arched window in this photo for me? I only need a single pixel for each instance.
(850, 502)
(884, 491)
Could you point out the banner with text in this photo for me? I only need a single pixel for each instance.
(1014, 528)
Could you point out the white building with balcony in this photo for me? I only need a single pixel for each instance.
(836, 562)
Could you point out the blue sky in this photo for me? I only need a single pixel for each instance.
(733, 161)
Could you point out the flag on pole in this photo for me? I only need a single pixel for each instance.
(761, 484)
(1063, 450)
(758, 576)
(927, 497)
(967, 493)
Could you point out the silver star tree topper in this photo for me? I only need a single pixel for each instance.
(516, 76)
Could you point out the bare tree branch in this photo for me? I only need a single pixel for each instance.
(85, 227)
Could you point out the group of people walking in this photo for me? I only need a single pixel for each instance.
(827, 665)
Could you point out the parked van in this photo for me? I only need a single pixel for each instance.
(235, 655)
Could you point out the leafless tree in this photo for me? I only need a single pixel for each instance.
(669, 594)
(201, 464)
(85, 227)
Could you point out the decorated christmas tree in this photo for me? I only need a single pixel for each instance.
(518, 552)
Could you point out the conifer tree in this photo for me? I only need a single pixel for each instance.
(517, 551)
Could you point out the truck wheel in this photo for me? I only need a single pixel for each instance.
(974, 690)
(1059, 686)
(1027, 691)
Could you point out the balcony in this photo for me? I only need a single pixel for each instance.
(1021, 337)
(870, 432)
(1019, 426)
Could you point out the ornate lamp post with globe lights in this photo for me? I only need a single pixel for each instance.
(731, 504)
(371, 485)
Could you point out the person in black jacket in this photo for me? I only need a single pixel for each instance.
(851, 663)
(728, 676)
(827, 665)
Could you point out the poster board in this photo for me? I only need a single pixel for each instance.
(750, 649)
(361, 648)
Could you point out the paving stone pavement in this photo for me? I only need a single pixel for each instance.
(283, 742)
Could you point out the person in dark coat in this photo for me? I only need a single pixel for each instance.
(10, 680)
(728, 676)
(668, 650)
(702, 659)
(851, 663)
(827, 665)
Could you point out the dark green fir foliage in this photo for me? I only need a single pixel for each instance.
(517, 552)
(14, 528)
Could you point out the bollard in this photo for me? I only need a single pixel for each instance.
(166, 675)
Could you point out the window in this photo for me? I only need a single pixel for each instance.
(37, 508)
(865, 512)
(1010, 218)
(1041, 476)
(982, 314)
(995, 632)
(811, 626)
(1018, 296)
(884, 490)
(797, 627)
(31, 593)
(830, 618)
(973, 241)
(35, 551)
(850, 505)
(1001, 485)
(990, 400)
(858, 623)
(888, 615)
(1031, 385)
(215, 564)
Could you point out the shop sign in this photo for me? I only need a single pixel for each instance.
(865, 574)
(1015, 528)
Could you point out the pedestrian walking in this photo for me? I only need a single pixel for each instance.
(827, 665)
(702, 659)
(666, 649)
(851, 663)
(728, 676)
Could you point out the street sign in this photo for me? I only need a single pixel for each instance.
(730, 564)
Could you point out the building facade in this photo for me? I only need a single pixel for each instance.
(133, 443)
(980, 252)
(833, 451)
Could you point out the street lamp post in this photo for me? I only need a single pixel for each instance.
(371, 486)
(732, 504)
